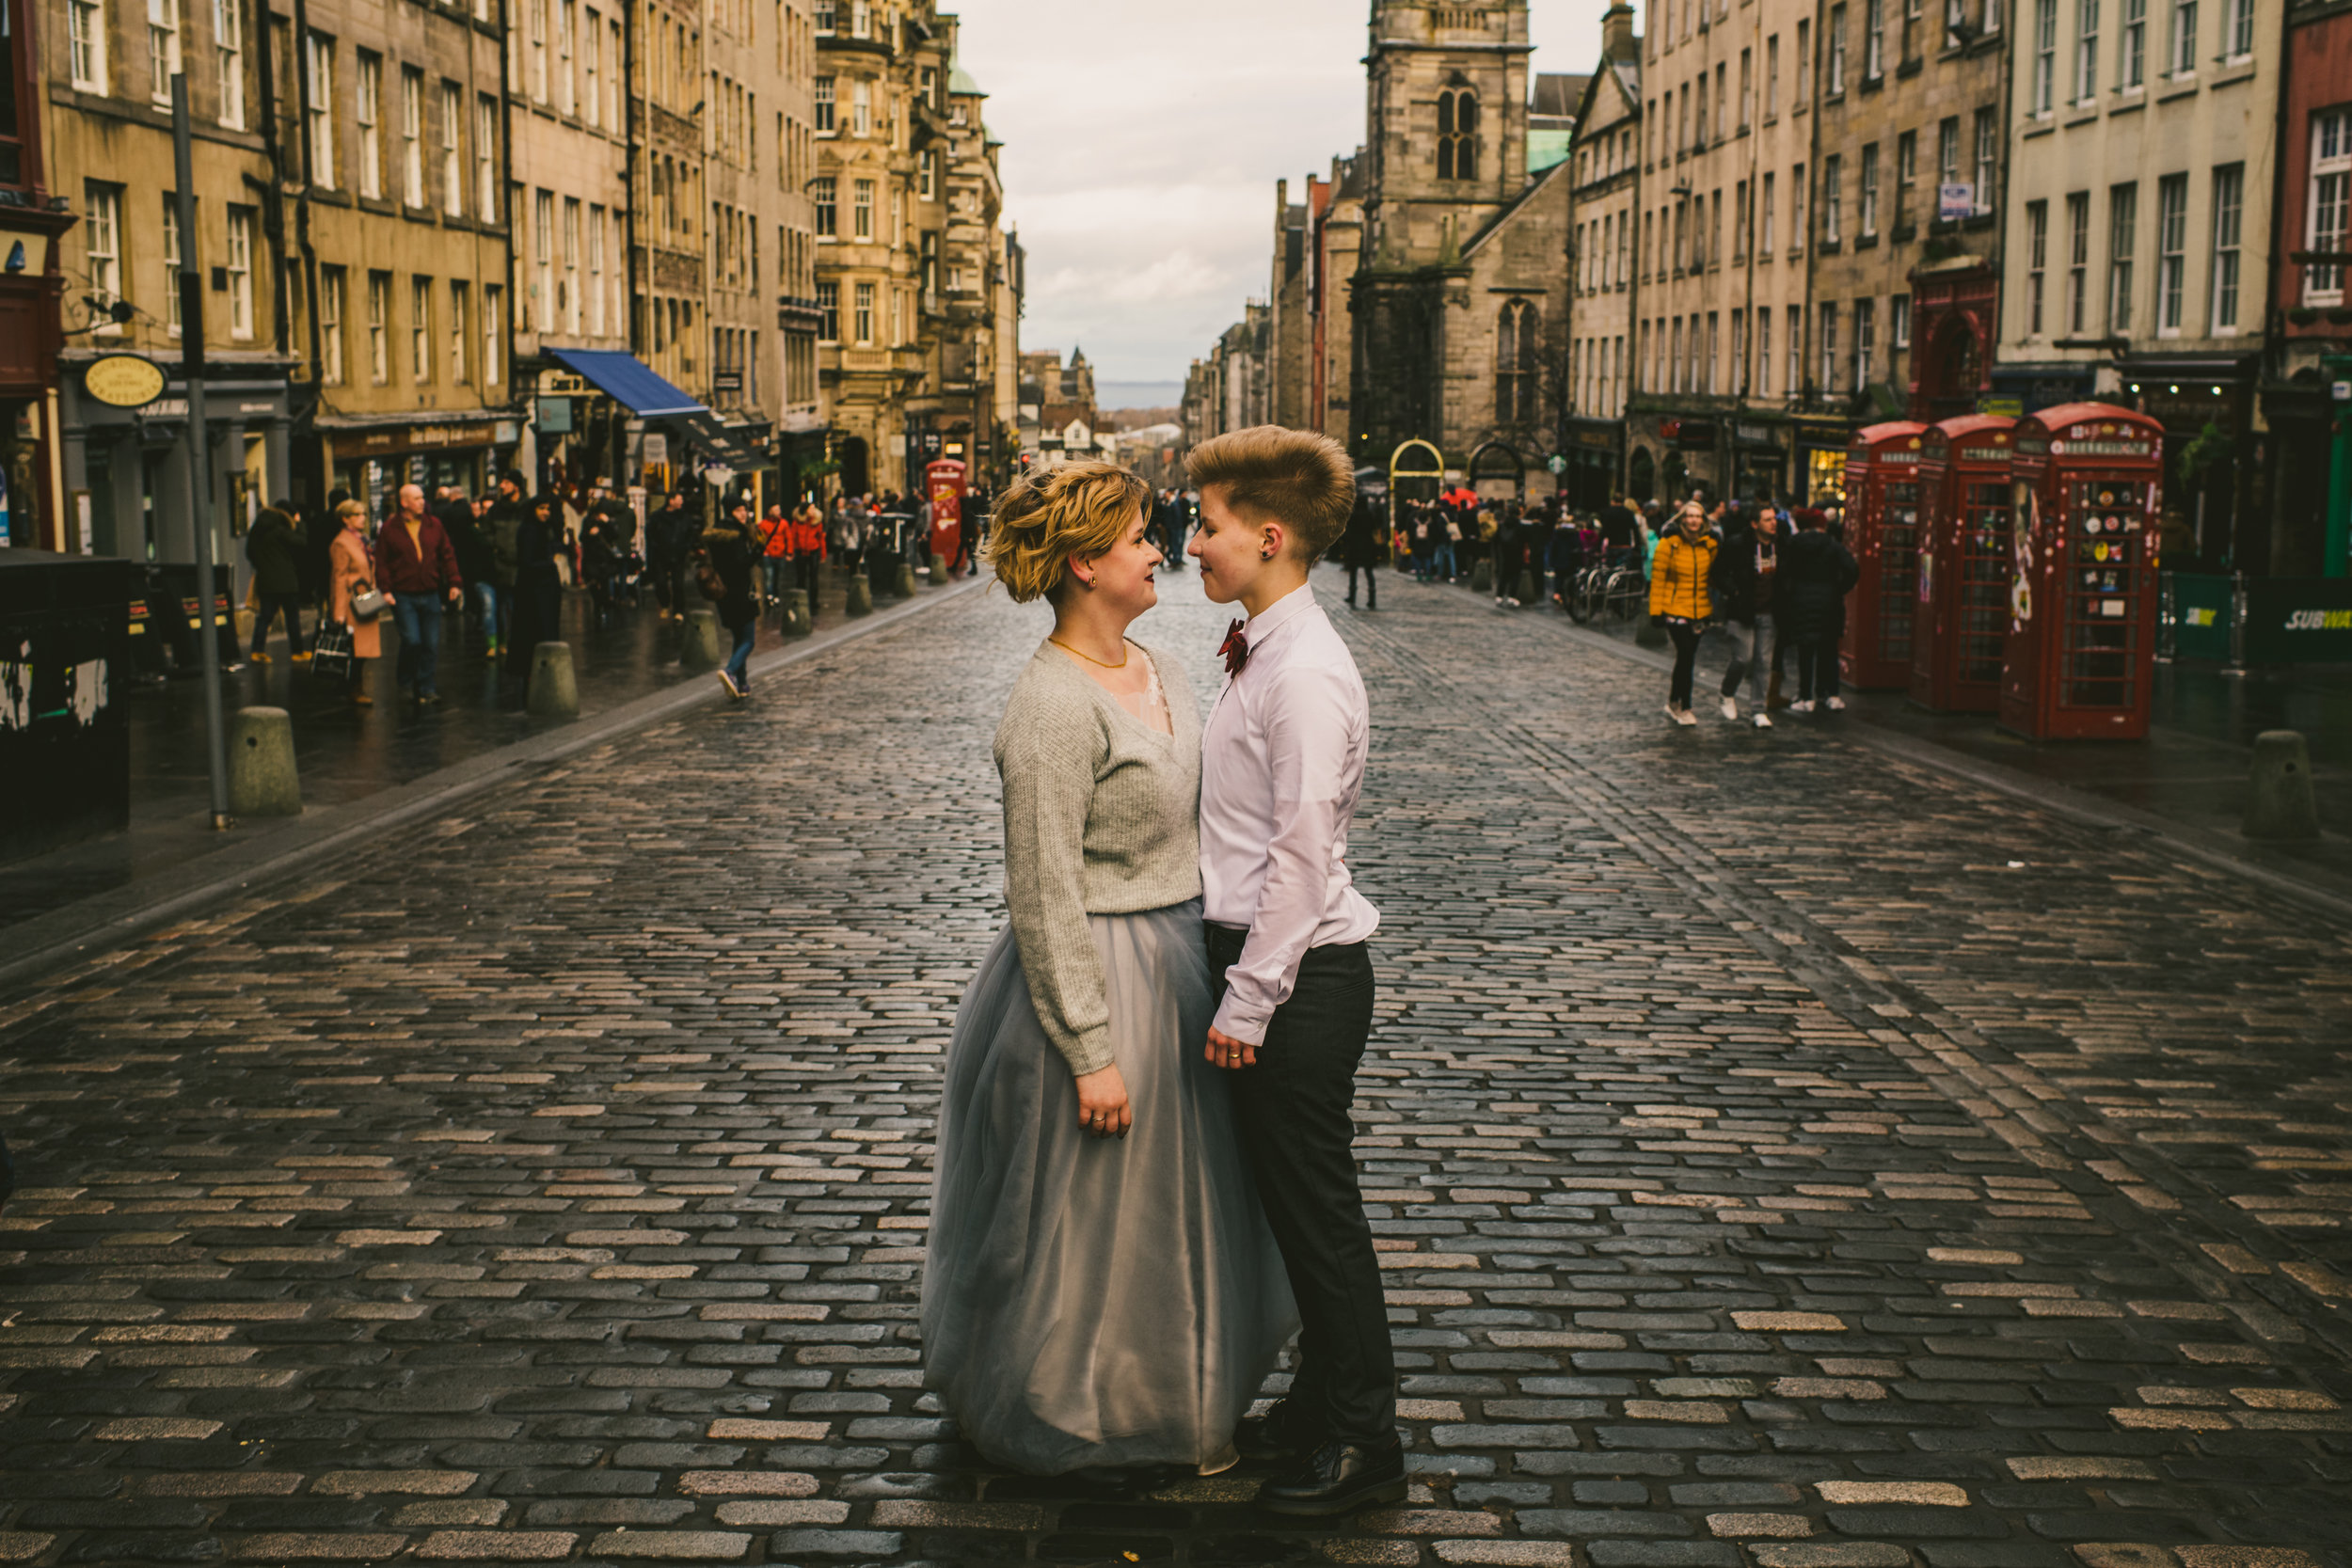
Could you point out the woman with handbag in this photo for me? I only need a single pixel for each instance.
(351, 587)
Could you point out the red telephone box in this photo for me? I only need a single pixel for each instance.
(1882, 527)
(944, 483)
(1960, 628)
(2081, 650)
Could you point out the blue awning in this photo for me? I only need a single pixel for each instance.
(625, 378)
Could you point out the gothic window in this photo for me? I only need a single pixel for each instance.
(1515, 336)
(1458, 134)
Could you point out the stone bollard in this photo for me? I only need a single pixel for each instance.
(1524, 590)
(1482, 577)
(2281, 805)
(904, 587)
(701, 649)
(796, 623)
(939, 570)
(861, 596)
(553, 689)
(262, 778)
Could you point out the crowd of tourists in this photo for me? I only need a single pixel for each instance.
(1772, 577)
(503, 563)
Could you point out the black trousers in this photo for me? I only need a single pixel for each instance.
(1686, 641)
(1291, 1112)
(1372, 584)
(1817, 670)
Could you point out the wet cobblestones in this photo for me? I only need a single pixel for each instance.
(1779, 1155)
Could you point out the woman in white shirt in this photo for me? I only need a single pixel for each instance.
(1101, 1294)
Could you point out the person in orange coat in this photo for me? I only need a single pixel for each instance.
(351, 569)
(808, 554)
(1680, 601)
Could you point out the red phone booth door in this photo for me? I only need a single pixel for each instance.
(1898, 557)
(1964, 602)
(2103, 592)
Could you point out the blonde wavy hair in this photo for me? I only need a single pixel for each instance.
(1047, 521)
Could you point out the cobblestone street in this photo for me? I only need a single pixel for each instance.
(1783, 1154)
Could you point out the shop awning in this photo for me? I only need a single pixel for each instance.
(627, 380)
(706, 435)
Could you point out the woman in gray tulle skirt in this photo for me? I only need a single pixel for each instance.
(1101, 1291)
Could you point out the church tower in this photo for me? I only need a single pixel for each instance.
(1445, 150)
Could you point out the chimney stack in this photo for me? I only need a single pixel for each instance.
(1616, 32)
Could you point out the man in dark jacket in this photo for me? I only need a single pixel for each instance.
(539, 544)
(275, 551)
(670, 535)
(417, 568)
(1743, 583)
(729, 547)
(498, 529)
(1360, 551)
(1817, 574)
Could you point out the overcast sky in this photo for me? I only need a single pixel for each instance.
(1142, 141)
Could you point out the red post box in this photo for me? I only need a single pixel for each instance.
(944, 483)
(1960, 627)
(1881, 528)
(2081, 651)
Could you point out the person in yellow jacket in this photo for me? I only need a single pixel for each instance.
(1678, 599)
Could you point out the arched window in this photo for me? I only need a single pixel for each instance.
(1516, 338)
(1458, 134)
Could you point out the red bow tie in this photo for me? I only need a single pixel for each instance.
(1235, 648)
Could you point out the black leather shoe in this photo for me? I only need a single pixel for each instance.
(1336, 1478)
(1283, 1432)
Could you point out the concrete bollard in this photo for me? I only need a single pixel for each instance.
(2281, 805)
(905, 585)
(861, 596)
(553, 690)
(262, 778)
(701, 649)
(796, 622)
(1524, 590)
(1482, 577)
(939, 570)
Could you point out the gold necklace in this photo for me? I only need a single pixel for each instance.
(1090, 658)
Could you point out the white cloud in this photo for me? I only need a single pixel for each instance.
(1142, 141)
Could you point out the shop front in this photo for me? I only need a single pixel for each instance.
(126, 469)
(1821, 446)
(1592, 462)
(1759, 457)
(669, 438)
(371, 459)
(2212, 452)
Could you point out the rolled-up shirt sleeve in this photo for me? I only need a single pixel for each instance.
(1308, 723)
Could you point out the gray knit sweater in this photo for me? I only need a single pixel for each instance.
(1102, 816)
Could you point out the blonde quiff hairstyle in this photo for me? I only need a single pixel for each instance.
(1299, 478)
(1047, 521)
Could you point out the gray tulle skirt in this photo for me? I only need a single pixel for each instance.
(1097, 1301)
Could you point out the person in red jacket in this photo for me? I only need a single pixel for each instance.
(416, 567)
(808, 554)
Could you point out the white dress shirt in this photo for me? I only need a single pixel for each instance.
(1281, 767)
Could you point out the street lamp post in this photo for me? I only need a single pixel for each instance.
(200, 454)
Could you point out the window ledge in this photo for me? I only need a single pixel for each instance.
(2130, 107)
(1874, 83)
(1903, 233)
(1829, 247)
(2033, 128)
(1866, 242)
(2235, 72)
(1911, 67)
(2179, 90)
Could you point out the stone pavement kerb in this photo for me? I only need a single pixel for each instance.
(254, 858)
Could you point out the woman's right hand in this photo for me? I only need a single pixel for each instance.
(1102, 1108)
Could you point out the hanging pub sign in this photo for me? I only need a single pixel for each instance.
(123, 380)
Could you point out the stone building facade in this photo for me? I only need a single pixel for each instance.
(1290, 326)
(1607, 157)
(2141, 199)
(1335, 245)
(2310, 503)
(1906, 263)
(1459, 296)
(1723, 342)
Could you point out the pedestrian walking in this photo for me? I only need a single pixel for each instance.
(275, 552)
(809, 556)
(1742, 585)
(351, 571)
(1087, 1152)
(1679, 600)
(1359, 551)
(499, 529)
(774, 544)
(417, 567)
(1817, 571)
(320, 530)
(669, 539)
(461, 523)
(728, 549)
(540, 547)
